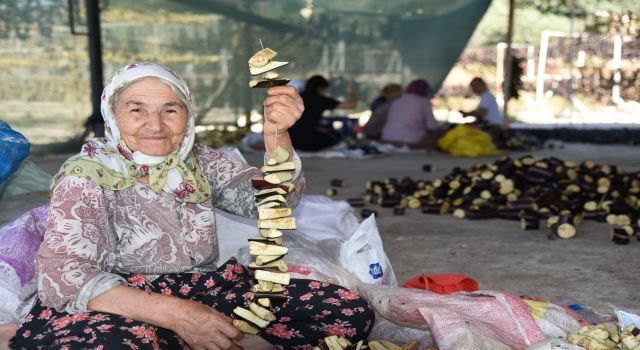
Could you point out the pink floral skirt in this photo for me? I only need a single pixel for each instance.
(312, 311)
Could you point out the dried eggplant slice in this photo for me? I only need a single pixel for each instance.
(279, 177)
(267, 83)
(262, 57)
(275, 277)
(267, 67)
(279, 167)
(266, 259)
(258, 248)
(250, 317)
(262, 312)
(245, 326)
(259, 183)
(269, 192)
(278, 156)
(280, 223)
(273, 213)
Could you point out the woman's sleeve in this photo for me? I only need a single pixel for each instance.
(231, 182)
(430, 120)
(77, 249)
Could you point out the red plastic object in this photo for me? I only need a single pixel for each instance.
(443, 284)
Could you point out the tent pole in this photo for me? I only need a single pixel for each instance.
(506, 87)
(95, 65)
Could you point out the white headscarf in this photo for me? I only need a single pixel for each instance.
(111, 163)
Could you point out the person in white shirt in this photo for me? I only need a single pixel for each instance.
(487, 110)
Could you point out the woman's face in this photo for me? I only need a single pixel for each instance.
(150, 117)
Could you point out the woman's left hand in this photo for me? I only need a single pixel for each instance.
(282, 108)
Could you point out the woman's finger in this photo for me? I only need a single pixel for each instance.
(229, 331)
(279, 115)
(212, 346)
(288, 92)
(282, 100)
(283, 90)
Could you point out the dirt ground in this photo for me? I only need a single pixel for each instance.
(588, 269)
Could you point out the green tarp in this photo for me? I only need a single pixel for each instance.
(45, 90)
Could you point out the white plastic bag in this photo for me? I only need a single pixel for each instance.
(395, 333)
(626, 318)
(233, 231)
(9, 294)
(323, 218)
(363, 255)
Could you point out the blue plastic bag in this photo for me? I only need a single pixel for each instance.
(14, 148)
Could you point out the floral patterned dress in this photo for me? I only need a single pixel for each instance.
(312, 311)
(97, 239)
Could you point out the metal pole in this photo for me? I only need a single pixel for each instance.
(500, 61)
(508, 65)
(571, 58)
(617, 65)
(542, 62)
(95, 65)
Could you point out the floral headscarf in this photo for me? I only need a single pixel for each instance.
(110, 163)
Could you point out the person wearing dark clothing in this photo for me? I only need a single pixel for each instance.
(307, 134)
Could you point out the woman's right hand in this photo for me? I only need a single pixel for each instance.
(204, 328)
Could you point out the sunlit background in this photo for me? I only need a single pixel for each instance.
(579, 64)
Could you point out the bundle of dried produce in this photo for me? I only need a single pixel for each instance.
(270, 270)
(606, 336)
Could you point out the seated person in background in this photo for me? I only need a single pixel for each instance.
(128, 257)
(380, 110)
(389, 93)
(307, 134)
(410, 120)
(487, 111)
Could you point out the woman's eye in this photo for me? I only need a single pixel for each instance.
(171, 111)
(134, 110)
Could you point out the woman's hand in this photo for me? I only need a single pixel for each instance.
(282, 108)
(204, 328)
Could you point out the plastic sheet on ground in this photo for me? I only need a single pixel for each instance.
(461, 321)
(28, 178)
(19, 241)
(554, 320)
(9, 293)
(554, 344)
(626, 318)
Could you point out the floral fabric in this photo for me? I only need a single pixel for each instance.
(94, 234)
(110, 163)
(314, 310)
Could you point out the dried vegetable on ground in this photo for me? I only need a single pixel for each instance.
(526, 189)
(340, 343)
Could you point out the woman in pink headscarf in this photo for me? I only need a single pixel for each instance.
(410, 119)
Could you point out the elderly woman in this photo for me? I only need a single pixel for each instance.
(127, 261)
